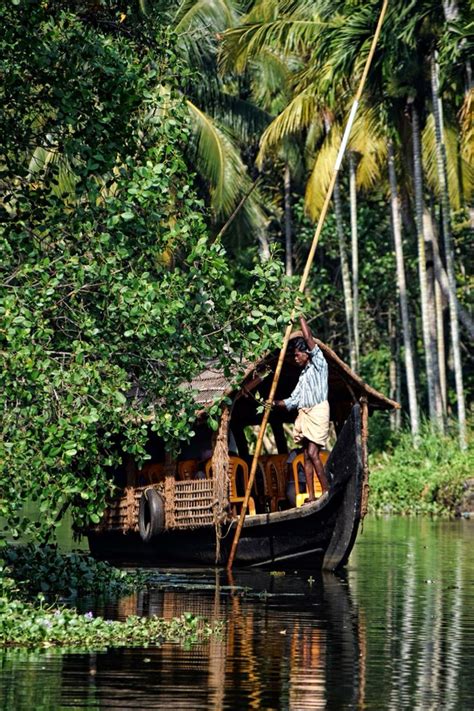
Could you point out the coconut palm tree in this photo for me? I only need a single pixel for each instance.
(220, 122)
(428, 313)
(353, 157)
(307, 110)
(453, 310)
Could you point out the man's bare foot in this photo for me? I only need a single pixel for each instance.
(309, 501)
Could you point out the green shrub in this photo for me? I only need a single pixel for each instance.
(426, 479)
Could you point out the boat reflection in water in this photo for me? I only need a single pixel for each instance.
(400, 636)
(288, 642)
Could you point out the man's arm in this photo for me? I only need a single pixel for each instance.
(307, 335)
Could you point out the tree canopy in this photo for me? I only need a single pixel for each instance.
(113, 292)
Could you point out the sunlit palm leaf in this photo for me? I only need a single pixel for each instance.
(460, 173)
(288, 36)
(368, 139)
(299, 114)
(466, 119)
(321, 173)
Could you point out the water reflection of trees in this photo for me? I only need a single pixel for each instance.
(398, 633)
(420, 640)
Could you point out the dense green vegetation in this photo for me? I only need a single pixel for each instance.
(162, 166)
(114, 292)
(45, 570)
(429, 479)
(25, 624)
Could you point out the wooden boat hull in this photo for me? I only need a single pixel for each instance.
(318, 535)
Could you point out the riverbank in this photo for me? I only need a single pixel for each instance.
(435, 478)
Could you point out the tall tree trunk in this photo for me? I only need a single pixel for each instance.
(355, 254)
(453, 307)
(263, 245)
(432, 321)
(428, 322)
(432, 236)
(394, 373)
(288, 229)
(346, 277)
(442, 279)
(443, 383)
(402, 291)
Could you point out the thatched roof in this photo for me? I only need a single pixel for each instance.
(211, 383)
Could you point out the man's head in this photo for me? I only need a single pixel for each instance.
(300, 351)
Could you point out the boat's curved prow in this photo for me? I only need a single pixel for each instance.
(345, 466)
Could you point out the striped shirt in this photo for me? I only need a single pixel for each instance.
(312, 386)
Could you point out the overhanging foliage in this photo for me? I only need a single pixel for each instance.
(109, 280)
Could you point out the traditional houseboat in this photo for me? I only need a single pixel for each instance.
(185, 511)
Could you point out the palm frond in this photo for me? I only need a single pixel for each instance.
(45, 160)
(460, 173)
(198, 24)
(209, 15)
(314, 137)
(218, 161)
(321, 173)
(252, 218)
(368, 139)
(466, 121)
(299, 114)
(288, 36)
(271, 75)
(244, 119)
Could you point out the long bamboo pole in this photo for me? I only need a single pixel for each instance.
(304, 279)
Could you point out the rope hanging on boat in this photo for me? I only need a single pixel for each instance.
(304, 279)
(220, 476)
(170, 487)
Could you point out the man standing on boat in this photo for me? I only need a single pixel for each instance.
(310, 398)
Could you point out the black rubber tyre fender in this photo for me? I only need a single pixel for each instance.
(151, 515)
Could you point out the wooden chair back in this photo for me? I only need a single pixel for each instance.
(238, 469)
(151, 473)
(276, 479)
(187, 469)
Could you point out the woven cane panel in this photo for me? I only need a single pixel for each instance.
(193, 503)
(191, 508)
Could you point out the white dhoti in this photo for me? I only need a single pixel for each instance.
(312, 424)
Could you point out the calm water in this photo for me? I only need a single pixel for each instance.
(396, 632)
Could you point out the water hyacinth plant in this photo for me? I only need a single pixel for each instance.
(45, 570)
(27, 620)
(27, 624)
